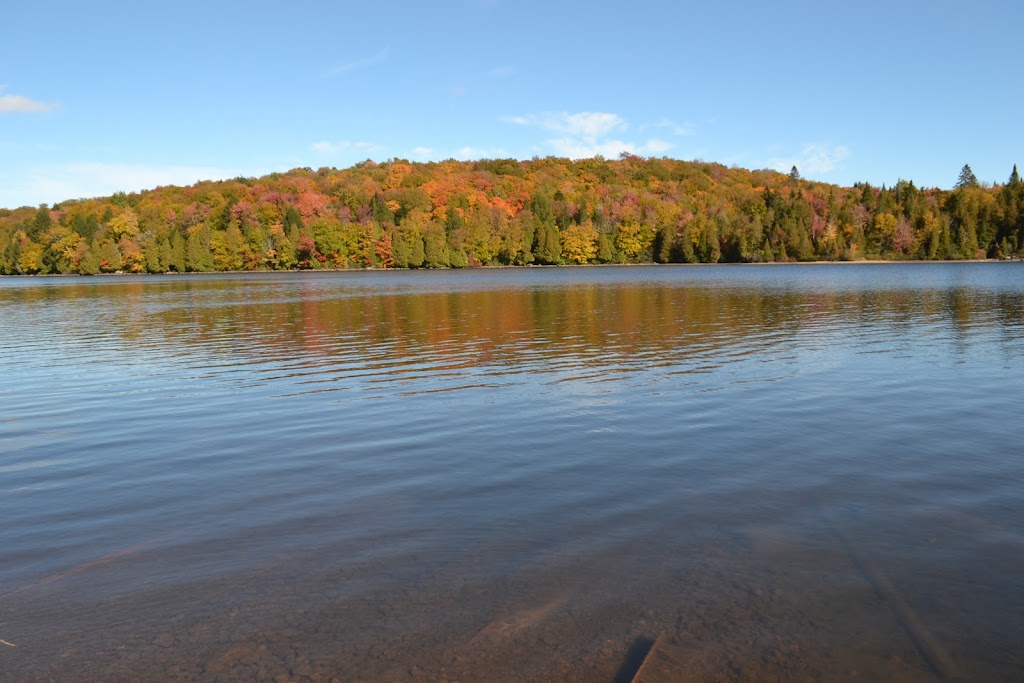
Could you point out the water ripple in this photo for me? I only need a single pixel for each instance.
(698, 446)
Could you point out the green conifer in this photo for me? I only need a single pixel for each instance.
(967, 178)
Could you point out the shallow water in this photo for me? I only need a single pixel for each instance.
(794, 472)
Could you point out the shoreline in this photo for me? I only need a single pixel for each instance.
(526, 267)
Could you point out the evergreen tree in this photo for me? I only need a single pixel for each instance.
(641, 210)
(86, 226)
(416, 254)
(547, 244)
(89, 264)
(109, 257)
(177, 252)
(380, 211)
(42, 221)
(197, 251)
(967, 178)
(435, 249)
(292, 222)
(165, 254)
(664, 243)
(605, 248)
(151, 257)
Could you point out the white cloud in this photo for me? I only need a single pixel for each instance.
(588, 125)
(677, 128)
(358, 64)
(59, 182)
(467, 153)
(815, 158)
(19, 104)
(656, 146)
(473, 153)
(588, 134)
(327, 147)
(575, 148)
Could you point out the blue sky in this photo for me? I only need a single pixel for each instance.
(106, 96)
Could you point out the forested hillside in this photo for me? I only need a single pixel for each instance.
(399, 214)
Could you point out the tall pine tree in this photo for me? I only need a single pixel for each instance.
(967, 178)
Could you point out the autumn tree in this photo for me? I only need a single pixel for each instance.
(633, 239)
(384, 249)
(408, 240)
(124, 224)
(510, 212)
(579, 242)
(88, 262)
(109, 256)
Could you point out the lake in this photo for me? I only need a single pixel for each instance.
(794, 472)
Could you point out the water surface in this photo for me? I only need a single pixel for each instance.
(794, 472)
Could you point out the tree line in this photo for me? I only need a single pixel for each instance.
(550, 211)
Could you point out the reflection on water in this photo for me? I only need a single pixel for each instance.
(793, 472)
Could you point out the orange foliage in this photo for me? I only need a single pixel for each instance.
(495, 211)
(396, 174)
(312, 205)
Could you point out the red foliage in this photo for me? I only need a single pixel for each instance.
(385, 251)
(312, 205)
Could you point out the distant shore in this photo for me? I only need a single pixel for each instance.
(503, 267)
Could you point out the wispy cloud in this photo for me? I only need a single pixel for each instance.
(58, 182)
(19, 104)
(815, 158)
(679, 129)
(467, 153)
(582, 149)
(470, 153)
(586, 124)
(588, 134)
(358, 64)
(327, 147)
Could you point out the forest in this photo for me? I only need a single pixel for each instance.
(545, 211)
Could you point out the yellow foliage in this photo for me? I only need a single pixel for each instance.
(131, 255)
(30, 257)
(68, 245)
(579, 243)
(633, 238)
(885, 223)
(124, 224)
